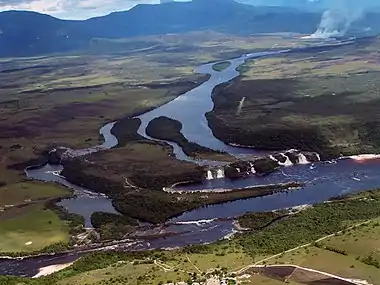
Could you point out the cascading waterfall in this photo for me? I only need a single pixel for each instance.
(273, 158)
(220, 173)
(199, 223)
(288, 162)
(215, 174)
(302, 159)
(209, 175)
(253, 170)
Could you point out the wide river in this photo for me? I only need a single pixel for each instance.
(323, 180)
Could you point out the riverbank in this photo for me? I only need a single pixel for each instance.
(48, 270)
(290, 102)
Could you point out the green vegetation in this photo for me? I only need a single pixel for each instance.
(126, 131)
(135, 163)
(112, 226)
(220, 66)
(25, 192)
(156, 207)
(165, 128)
(336, 250)
(260, 220)
(31, 228)
(311, 224)
(31, 222)
(324, 102)
(139, 195)
(350, 254)
(371, 261)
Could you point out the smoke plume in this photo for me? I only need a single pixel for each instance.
(338, 19)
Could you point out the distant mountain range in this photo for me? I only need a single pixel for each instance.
(28, 33)
(313, 4)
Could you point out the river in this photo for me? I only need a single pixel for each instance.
(323, 180)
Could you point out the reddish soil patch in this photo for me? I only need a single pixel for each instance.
(298, 275)
(279, 273)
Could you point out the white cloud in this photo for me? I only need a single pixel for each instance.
(72, 9)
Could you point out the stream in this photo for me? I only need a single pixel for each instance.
(323, 180)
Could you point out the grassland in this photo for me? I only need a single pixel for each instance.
(180, 267)
(325, 102)
(195, 47)
(31, 228)
(26, 192)
(154, 268)
(26, 222)
(342, 254)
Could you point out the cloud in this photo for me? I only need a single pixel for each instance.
(72, 9)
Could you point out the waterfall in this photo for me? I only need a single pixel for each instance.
(209, 175)
(318, 156)
(238, 170)
(253, 170)
(288, 162)
(241, 104)
(302, 159)
(220, 173)
(273, 158)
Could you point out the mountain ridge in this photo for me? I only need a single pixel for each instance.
(25, 33)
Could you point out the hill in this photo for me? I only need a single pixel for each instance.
(28, 33)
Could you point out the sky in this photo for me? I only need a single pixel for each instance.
(72, 9)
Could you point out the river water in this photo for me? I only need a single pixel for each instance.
(85, 202)
(323, 180)
(190, 108)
